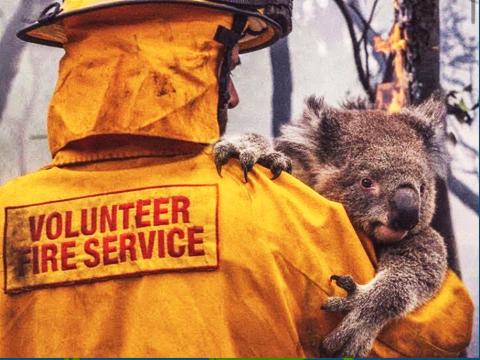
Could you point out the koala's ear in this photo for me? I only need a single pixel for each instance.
(358, 103)
(434, 111)
(315, 133)
(429, 120)
(328, 130)
(315, 107)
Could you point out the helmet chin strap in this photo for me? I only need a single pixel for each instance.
(228, 38)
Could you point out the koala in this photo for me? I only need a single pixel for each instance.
(382, 167)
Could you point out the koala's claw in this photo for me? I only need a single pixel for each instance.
(276, 173)
(247, 161)
(223, 151)
(219, 169)
(277, 163)
(345, 282)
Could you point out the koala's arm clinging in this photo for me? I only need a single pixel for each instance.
(410, 273)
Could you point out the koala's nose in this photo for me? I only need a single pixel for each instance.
(404, 209)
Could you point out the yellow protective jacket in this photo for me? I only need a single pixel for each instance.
(130, 244)
(189, 264)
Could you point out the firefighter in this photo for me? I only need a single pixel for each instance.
(130, 244)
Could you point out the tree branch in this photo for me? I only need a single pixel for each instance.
(466, 196)
(367, 24)
(364, 80)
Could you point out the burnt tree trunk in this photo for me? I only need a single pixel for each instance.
(282, 85)
(421, 22)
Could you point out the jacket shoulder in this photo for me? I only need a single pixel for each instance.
(15, 189)
(311, 233)
(285, 194)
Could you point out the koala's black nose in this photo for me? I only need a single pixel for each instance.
(404, 209)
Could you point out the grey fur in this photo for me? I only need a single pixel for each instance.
(261, 153)
(335, 151)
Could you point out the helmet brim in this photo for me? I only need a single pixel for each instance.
(50, 31)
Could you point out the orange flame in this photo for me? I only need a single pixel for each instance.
(393, 96)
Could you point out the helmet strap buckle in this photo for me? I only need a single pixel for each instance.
(50, 12)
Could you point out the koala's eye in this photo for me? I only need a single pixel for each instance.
(367, 183)
(422, 188)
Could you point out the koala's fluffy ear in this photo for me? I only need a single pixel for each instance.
(328, 130)
(316, 132)
(429, 120)
(358, 103)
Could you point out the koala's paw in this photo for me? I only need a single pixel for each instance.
(354, 336)
(339, 304)
(276, 162)
(250, 149)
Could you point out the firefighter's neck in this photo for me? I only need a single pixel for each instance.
(103, 149)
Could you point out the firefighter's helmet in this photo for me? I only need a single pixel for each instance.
(259, 22)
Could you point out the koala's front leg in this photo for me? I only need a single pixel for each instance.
(250, 149)
(369, 308)
(410, 273)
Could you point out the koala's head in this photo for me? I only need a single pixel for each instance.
(382, 167)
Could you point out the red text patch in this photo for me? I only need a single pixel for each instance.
(134, 232)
